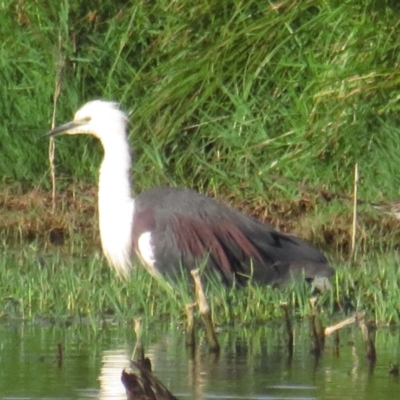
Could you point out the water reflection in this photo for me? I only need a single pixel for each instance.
(113, 362)
(253, 364)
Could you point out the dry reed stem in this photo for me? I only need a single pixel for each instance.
(334, 328)
(205, 312)
(190, 328)
(289, 327)
(368, 335)
(355, 195)
(317, 330)
(57, 91)
(138, 349)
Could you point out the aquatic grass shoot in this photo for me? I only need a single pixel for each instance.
(58, 287)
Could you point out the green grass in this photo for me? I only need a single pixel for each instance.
(260, 104)
(221, 94)
(54, 286)
(72, 281)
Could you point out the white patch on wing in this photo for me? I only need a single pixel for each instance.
(146, 252)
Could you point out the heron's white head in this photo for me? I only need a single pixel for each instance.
(99, 118)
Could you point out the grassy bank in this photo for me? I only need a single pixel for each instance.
(266, 107)
(51, 268)
(221, 94)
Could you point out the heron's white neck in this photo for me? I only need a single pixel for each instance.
(116, 205)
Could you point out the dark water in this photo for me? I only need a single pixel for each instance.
(253, 364)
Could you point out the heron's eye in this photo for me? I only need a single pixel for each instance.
(86, 119)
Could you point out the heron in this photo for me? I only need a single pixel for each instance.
(176, 229)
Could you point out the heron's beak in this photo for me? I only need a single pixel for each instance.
(66, 128)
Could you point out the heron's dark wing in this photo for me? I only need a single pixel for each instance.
(182, 242)
(188, 228)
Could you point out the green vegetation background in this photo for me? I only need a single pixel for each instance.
(246, 100)
(221, 93)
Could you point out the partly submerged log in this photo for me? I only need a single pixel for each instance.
(141, 384)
